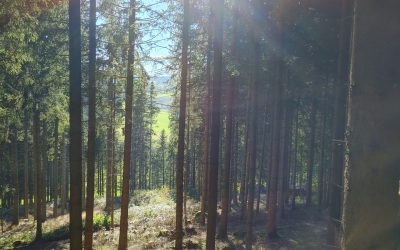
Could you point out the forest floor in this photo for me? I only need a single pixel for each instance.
(151, 225)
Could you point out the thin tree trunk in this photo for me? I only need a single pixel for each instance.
(91, 154)
(55, 169)
(15, 217)
(313, 116)
(26, 167)
(63, 175)
(223, 228)
(181, 129)
(271, 226)
(123, 233)
(321, 163)
(215, 127)
(75, 155)
(282, 189)
(243, 183)
(370, 217)
(262, 159)
(295, 158)
(38, 173)
(110, 96)
(44, 170)
(336, 176)
(253, 131)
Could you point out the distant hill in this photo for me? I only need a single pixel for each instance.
(160, 82)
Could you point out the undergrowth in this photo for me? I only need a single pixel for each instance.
(151, 214)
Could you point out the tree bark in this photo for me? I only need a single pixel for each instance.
(38, 172)
(75, 155)
(223, 228)
(335, 190)
(44, 170)
(313, 116)
(26, 167)
(282, 189)
(123, 233)
(91, 154)
(271, 226)
(321, 162)
(109, 143)
(181, 129)
(55, 169)
(254, 127)
(295, 158)
(215, 124)
(371, 175)
(63, 175)
(15, 216)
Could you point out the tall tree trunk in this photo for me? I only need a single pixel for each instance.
(123, 233)
(181, 129)
(15, 217)
(44, 169)
(26, 166)
(335, 190)
(109, 144)
(271, 226)
(321, 162)
(313, 116)
(371, 175)
(253, 130)
(91, 154)
(235, 164)
(55, 169)
(262, 159)
(243, 183)
(215, 124)
(38, 172)
(223, 229)
(63, 175)
(187, 165)
(295, 158)
(282, 189)
(75, 155)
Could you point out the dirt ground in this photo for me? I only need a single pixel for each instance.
(302, 228)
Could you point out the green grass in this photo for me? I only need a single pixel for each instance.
(162, 122)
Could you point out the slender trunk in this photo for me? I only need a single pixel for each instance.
(370, 214)
(321, 162)
(187, 165)
(91, 154)
(236, 160)
(215, 127)
(63, 175)
(26, 167)
(55, 170)
(336, 176)
(262, 159)
(75, 155)
(15, 217)
(243, 182)
(313, 116)
(110, 96)
(253, 133)
(44, 170)
(206, 162)
(282, 189)
(181, 133)
(38, 173)
(295, 159)
(271, 227)
(223, 229)
(123, 233)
